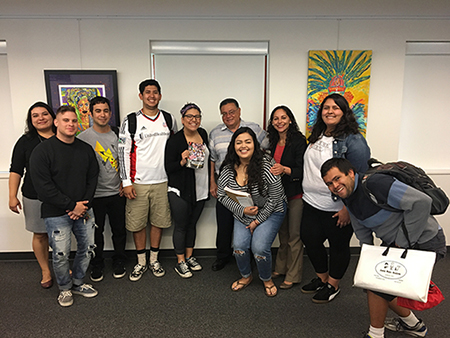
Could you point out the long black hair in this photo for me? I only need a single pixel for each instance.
(30, 130)
(293, 128)
(254, 167)
(346, 126)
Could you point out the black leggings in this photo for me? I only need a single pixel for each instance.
(318, 226)
(184, 218)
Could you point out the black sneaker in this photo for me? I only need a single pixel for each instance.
(398, 325)
(315, 285)
(326, 294)
(96, 274)
(119, 270)
(183, 270)
(193, 264)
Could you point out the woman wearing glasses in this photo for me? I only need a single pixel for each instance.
(187, 164)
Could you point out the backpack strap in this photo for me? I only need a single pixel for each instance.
(168, 119)
(115, 130)
(132, 129)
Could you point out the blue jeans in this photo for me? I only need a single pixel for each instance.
(260, 244)
(59, 230)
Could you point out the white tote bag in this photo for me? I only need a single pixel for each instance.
(395, 271)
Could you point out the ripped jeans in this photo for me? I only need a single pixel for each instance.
(59, 230)
(260, 244)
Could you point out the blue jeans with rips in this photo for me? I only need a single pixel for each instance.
(260, 244)
(59, 230)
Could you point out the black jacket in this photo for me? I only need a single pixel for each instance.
(181, 177)
(293, 158)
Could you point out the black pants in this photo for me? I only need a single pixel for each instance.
(318, 226)
(225, 224)
(114, 207)
(184, 218)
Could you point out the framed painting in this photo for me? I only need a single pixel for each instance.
(77, 87)
(346, 72)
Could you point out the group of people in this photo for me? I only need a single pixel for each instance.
(150, 174)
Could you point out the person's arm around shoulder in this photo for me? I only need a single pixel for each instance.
(358, 152)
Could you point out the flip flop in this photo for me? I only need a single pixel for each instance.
(238, 283)
(269, 288)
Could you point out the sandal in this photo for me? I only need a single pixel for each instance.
(238, 285)
(275, 275)
(286, 286)
(268, 290)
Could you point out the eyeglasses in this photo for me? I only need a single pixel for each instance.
(191, 117)
(230, 113)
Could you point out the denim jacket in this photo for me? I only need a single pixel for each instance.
(354, 148)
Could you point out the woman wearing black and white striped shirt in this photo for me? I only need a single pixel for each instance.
(247, 169)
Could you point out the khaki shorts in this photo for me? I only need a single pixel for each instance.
(151, 206)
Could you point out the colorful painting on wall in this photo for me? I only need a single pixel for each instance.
(346, 72)
(79, 97)
(77, 87)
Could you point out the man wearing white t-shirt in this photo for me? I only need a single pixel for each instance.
(143, 137)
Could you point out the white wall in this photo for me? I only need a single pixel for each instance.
(123, 44)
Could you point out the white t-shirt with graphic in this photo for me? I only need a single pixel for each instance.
(315, 192)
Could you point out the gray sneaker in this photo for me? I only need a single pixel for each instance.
(193, 264)
(398, 325)
(183, 270)
(157, 269)
(65, 298)
(85, 290)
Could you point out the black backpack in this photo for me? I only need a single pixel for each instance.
(132, 125)
(410, 175)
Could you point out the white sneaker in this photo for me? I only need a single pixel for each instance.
(398, 325)
(157, 269)
(193, 264)
(137, 272)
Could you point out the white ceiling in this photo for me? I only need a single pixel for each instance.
(244, 9)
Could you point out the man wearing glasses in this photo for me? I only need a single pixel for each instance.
(219, 139)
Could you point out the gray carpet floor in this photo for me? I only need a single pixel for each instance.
(202, 306)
